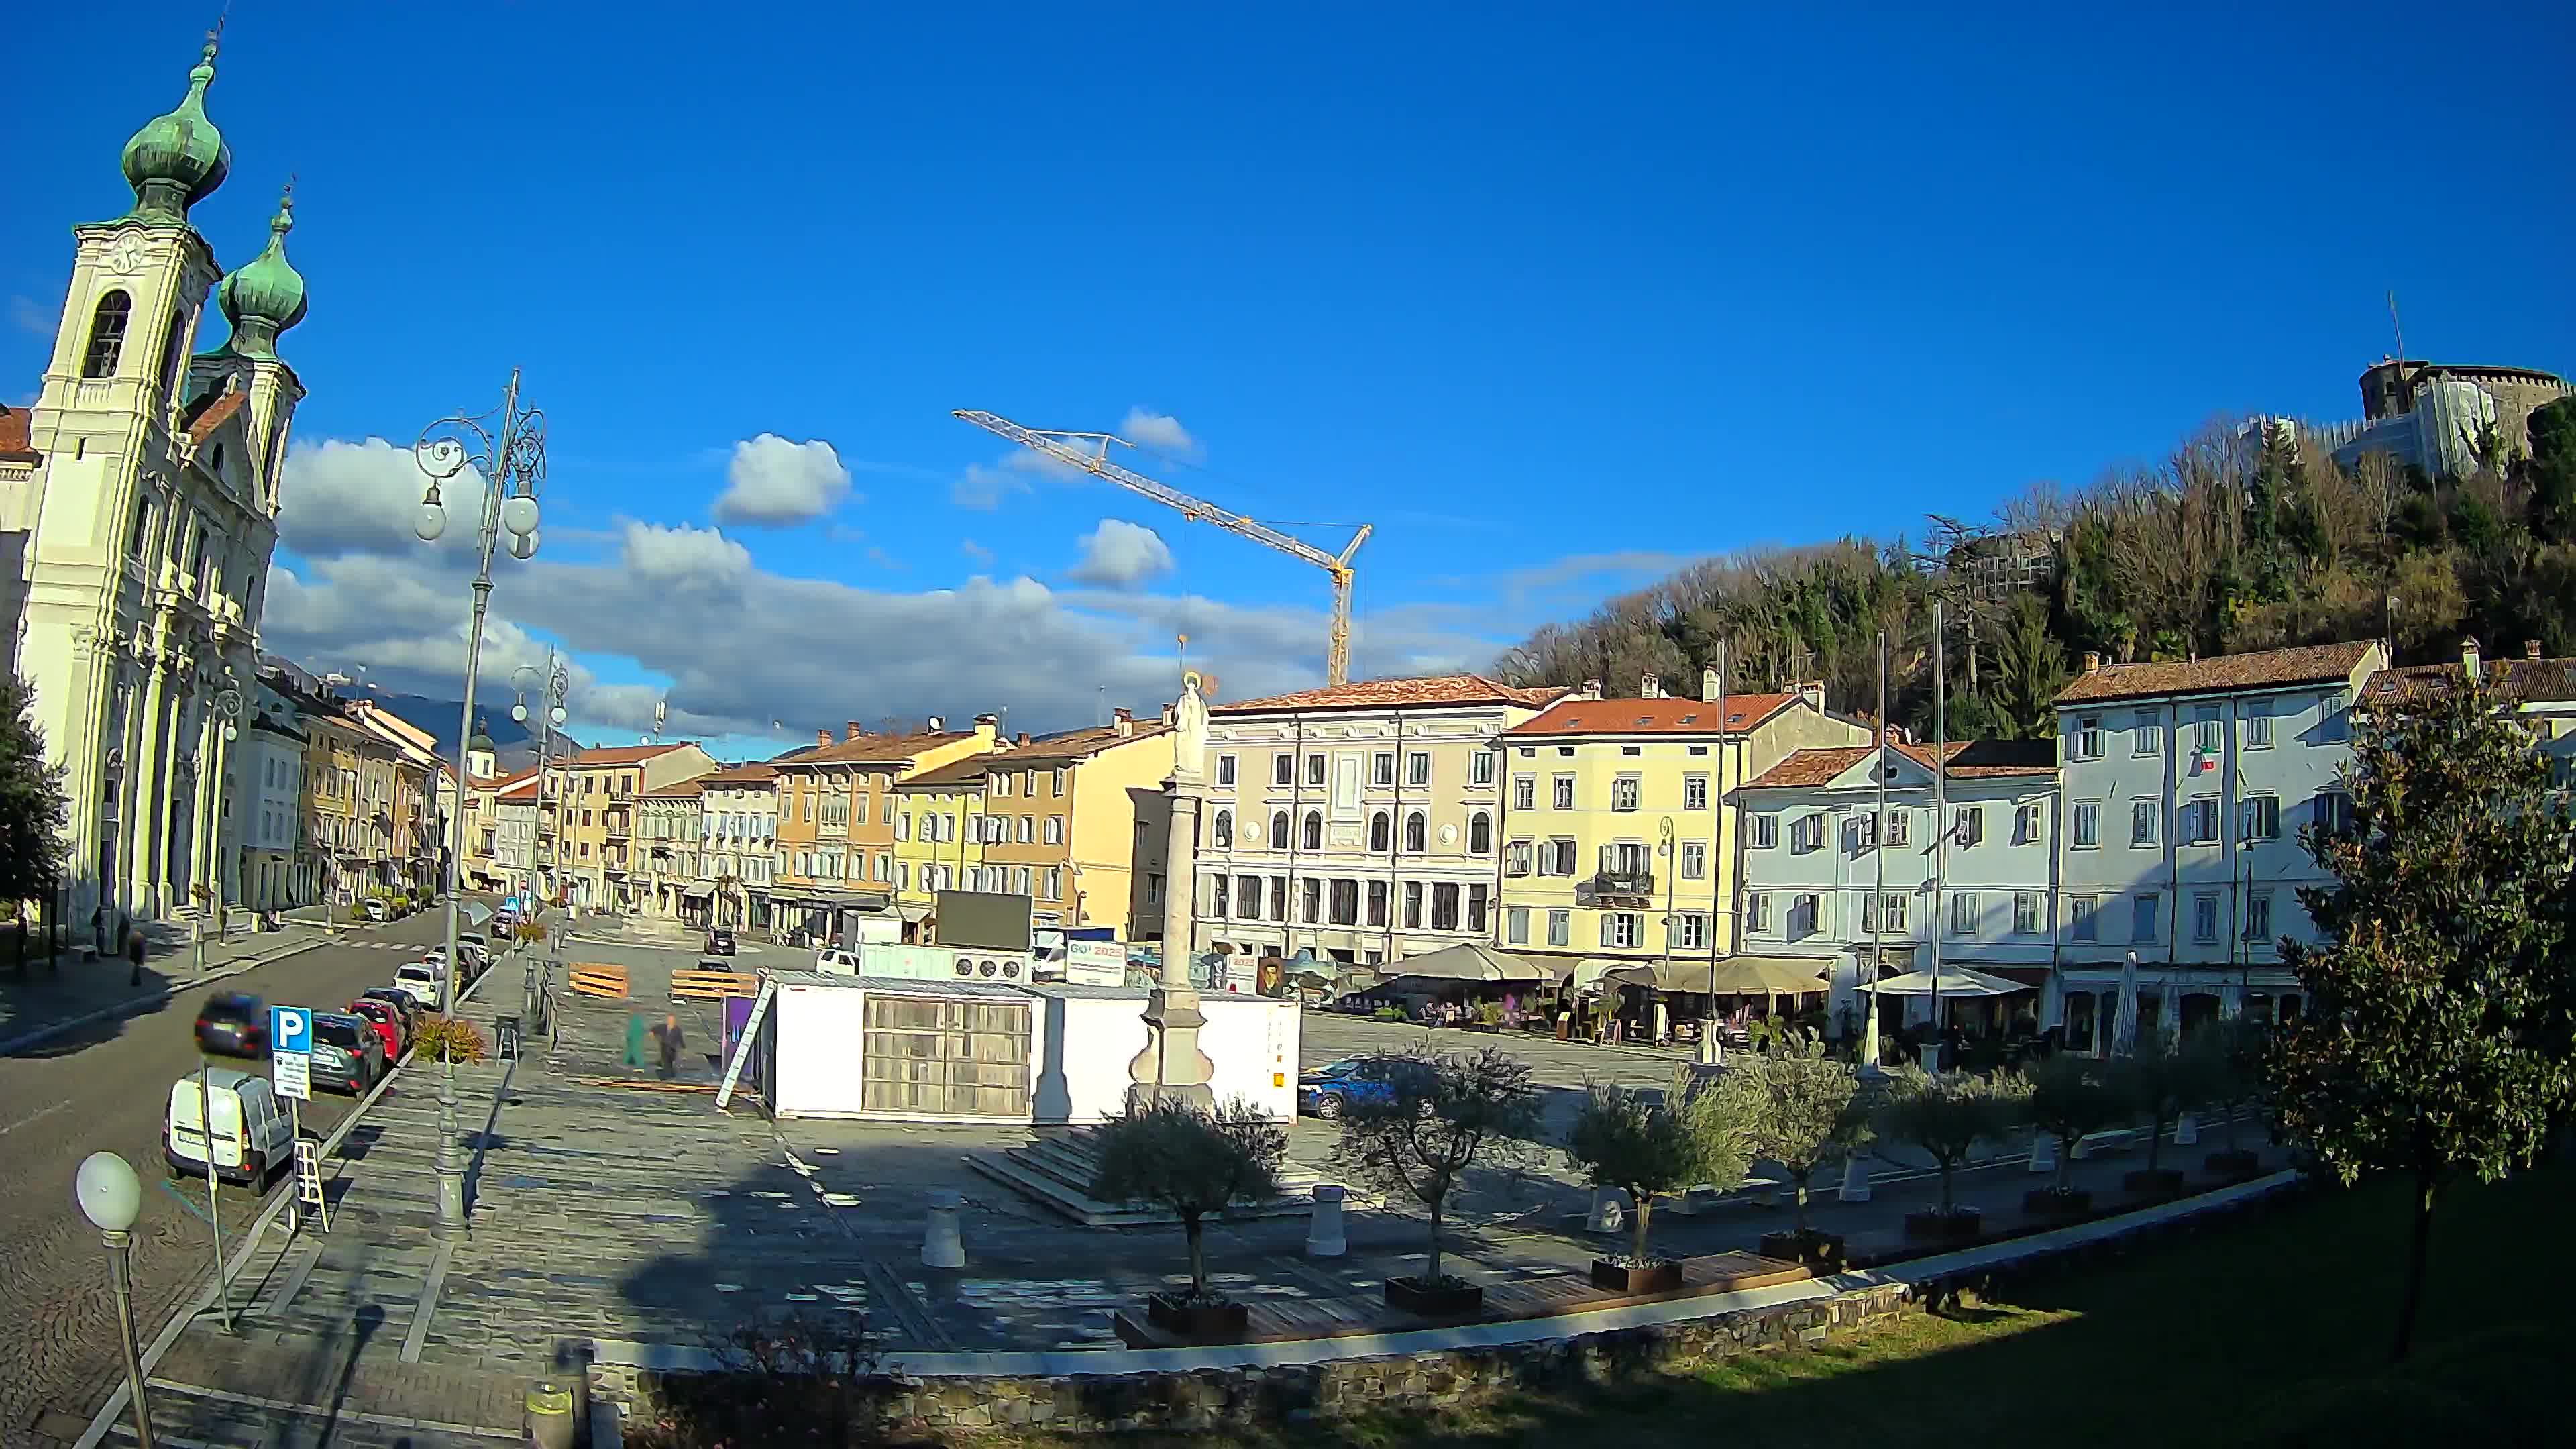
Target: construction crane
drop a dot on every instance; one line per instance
(1090, 453)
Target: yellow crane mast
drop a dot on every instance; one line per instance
(1090, 453)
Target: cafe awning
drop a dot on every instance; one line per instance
(1952, 982)
(1597, 973)
(696, 891)
(1757, 976)
(1466, 961)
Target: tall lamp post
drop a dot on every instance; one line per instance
(551, 683)
(110, 1196)
(506, 452)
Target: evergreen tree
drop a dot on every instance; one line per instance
(2549, 472)
(32, 808)
(2430, 1047)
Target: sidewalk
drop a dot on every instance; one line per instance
(51, 999)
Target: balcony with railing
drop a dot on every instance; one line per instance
(1621, 886)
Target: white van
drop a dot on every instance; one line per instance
(253, 1138)
(425, 982)
(833, 961)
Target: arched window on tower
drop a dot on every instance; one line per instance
(107, 335)
(173, 356)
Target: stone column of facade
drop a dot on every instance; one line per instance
(148, 766)
(95, 665)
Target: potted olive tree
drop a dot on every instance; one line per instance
(1802, 1109)
(1193, 1161)
(2159, 1082)
(2231, 1055)
(1441, 1115)
(1947, 1117)
(1648, 1143)
(2071, 1098)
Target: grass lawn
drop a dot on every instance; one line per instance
(2271, 1332)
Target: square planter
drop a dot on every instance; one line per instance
(1664, 1276)
(2153, 1182)
(1959, 1225)
(2048, 1202)
(1198, 1322)
(1820, 1251)
(1448, 1298)
(2231, 1166)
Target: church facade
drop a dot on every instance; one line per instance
(139, 495)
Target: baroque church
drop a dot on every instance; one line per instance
(138, 513)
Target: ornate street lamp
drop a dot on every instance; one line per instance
(110, 1196)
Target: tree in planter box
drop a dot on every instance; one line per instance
(1192, 1161)
(2160, 1082)
(1798, 1107)
(2071, 1098)
(1442, 1115)
(1948, 1116)
(1647, 1143)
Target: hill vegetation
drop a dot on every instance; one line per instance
(2240, 540)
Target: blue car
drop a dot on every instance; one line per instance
(1327, 1089)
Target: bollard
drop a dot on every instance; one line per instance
(2043, 1152)
(549, 1407)
(2186, 1129)
(941, 1247)
(1324, 1234)
(1607, 1215)
(1855, 1179)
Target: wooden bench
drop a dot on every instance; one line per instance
(705, 985)
(592, 978)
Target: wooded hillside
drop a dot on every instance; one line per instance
(2240, 540)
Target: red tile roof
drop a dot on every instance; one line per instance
(684, 790)
(210, 414)
(756, 773)
(871, 750)
(2523, 679)
(2308, 664)
(1967, 760)
(1652, 716)
(1431, 691)
(14, 443)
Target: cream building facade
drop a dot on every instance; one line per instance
(1360, 821)
(144, 496)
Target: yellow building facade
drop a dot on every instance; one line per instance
(1619, 836)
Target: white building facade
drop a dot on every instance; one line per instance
(262, 869)
(1359, 821)
(150, 518)
(1828, 886)
(2186, 787)
(514, 831)
(737, 848)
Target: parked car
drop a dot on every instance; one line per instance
(374, 909)
(477, 956)
(401, 1001)
(503, 926)
(347, 1052)
(234, 1023)
(389, 1021)
(426, 982)
(252, 1136)
(1327, 1089)
(720, 942)
(833, 961)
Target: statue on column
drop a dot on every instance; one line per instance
(1190, 730)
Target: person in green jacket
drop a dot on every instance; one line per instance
(634, 1038)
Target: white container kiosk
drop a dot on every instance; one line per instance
(1087, 1036)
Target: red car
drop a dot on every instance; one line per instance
(387, 1021)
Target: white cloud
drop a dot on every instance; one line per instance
(684, 555)
(1122, 555)
(1160, 431)
(976, 551)
(775, 482)
(983, 488)
(339, 497)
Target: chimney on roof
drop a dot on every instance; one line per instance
(2469, 658)
(1813, 692)
(853, 727)
(1023, 737)
(2092, 661)
(1650, 687)
(1171, 716)
(2531, 650)
(1708, 685)
(1591, 690)
(1123, 720)
(822, 737)
(986, 727)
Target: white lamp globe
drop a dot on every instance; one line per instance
(523, 545)
(519, 514)
(519, 714)
(557, 714)
(110, 1195)
(429, 522)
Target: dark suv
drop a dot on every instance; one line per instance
(1325, 1090)
(234, 1023)
(719, 942)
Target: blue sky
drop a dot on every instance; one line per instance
(1551, 294)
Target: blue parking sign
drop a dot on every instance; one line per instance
(290, 1029)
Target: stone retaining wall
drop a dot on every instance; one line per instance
(1215, 1399)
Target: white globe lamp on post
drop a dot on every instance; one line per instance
(111, 1196)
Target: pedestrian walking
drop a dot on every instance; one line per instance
(634, 1038)
(134, 953)
(670, 1047)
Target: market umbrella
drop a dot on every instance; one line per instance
(1466, 961)
(1752, 976)
(1953, 981)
